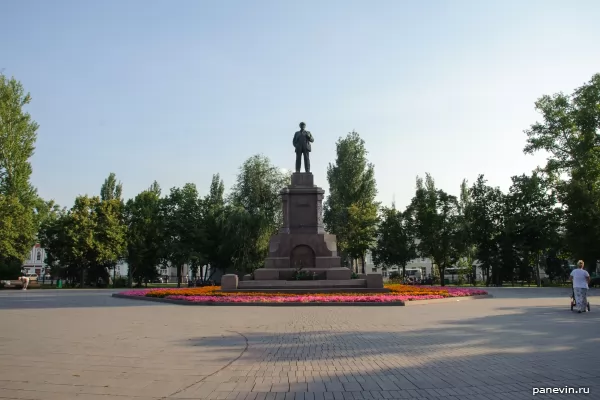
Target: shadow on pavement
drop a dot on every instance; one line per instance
(512, 352)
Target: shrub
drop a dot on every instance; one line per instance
(395, 275)
(120, 282)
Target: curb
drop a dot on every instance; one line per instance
(357, 304)
(190, 303)
(448, 300)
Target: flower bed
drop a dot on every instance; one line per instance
(398, 293)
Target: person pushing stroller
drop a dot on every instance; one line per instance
(580, 278)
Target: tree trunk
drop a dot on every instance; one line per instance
(442, 274)
(179, 276)
(362, 260)
(130, 275)
(82, 276)
(403, 273)
(537, 269)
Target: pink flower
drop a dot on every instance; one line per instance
(380, 298)
(217, 297)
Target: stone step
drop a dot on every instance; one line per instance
(311, 291)
(319, 284)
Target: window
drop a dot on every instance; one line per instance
(39, 255)
(373, 269)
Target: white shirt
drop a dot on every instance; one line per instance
(580, 276)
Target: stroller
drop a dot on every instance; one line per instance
(574, 303)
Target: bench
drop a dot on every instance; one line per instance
(17, 284)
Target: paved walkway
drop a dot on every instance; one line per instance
(85, 345)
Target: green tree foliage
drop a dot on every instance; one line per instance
(396, 243)
(80, 227)
(435, 219)
(486, 212)
(352, 186)
(257, 189)
(145, 235)
(464, 239)
(254, 212)
(86, 241)
(44, 211)
(183, 228)
(247, 239)
(16, 228)
(569, 133)
(17, 195)
(112, 229)
(361, 230)
(215, 214)
(111, 189)
(53, 238)
(533, 218)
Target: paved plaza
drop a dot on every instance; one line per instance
(73, 344)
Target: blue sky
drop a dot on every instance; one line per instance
(175, 91)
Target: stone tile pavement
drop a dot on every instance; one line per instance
(73, 345)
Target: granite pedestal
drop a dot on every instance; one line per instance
(302, 244)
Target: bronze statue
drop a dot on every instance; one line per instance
(301, 142)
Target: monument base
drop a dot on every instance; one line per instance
(302, 246)
(372, 283)
(328, 274)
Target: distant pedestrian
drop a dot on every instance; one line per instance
(580, 279)
(25, 281)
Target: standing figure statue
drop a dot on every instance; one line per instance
(301, 142)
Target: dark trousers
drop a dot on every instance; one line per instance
(306, 161)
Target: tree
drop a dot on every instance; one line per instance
(183, 228)
(435, 220)
(216, 194)
(144, 235)
(569, 133)
(361, 231)
(215, 214)
(54, 240)
(111, 190)
(16, 228)
(17, 195)
(110, 237)
(112, 229)
(257, 188)
(485, 212)
(82, 243)
(255, 212)
(534, 218)
(395, 240)
(464, 240)
(247, 239)
(44, 211)
(80, 227)
(351, 182)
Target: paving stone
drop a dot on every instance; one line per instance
(495, 349)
